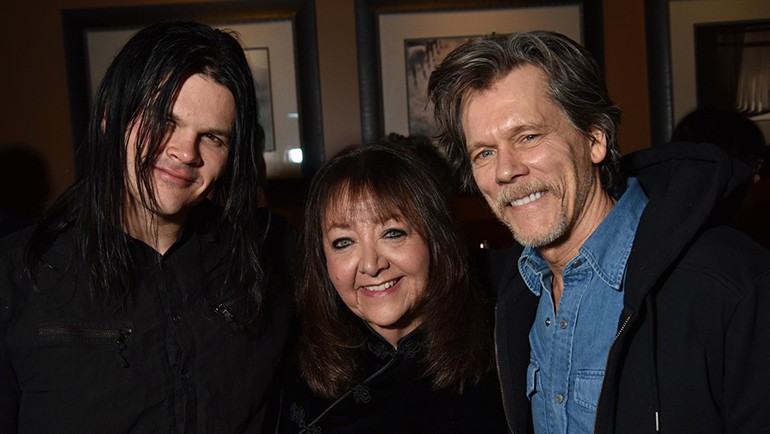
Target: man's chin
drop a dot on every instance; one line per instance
(173, 214)
(536, 239)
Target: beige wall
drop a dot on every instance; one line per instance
(35, 106)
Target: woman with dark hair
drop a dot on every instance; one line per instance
(394, 335)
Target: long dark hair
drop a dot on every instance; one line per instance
(140, 86)
(453, 326)
(575, 84)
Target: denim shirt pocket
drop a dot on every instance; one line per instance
(588, 385)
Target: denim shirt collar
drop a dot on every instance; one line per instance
(606, 250)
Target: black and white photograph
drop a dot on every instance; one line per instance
(398, 49)
(716, 54)
(733, 67)
(421, 57)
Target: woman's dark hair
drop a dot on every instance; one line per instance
(575, 84)
(453, 324)
(140, 87)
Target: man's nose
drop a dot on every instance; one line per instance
(509, 165)
(182, 146)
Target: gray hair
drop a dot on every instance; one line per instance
(575, 84)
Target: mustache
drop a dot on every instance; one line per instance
(509, 193)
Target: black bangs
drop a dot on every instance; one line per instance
(354, 205)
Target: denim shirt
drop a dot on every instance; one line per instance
(570, 347)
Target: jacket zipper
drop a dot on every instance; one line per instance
(223, 310)
(75, 331)
(120, 336)
(500, 380)
(601, 391)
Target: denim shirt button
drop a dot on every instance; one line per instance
(563, 324)
(559, 398)
(547, 322)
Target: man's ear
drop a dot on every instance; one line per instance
(598, 145)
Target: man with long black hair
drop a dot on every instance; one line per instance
(154, 295)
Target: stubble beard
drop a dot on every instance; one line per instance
(561, 227)
(534, 240)
(558, 229)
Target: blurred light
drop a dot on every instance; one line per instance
(292, 115)
(295, 155)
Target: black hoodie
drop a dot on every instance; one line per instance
(694, 335)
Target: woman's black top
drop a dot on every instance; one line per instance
(393, 398)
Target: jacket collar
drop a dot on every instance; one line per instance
(689, 186)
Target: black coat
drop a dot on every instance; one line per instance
(174, 358)
(393, 399)
(693, 339)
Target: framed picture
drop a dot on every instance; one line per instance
(279, 39)
(707, 53)
(400, 43)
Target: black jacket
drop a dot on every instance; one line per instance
(394, 398)
(175, 358)
(693, 339)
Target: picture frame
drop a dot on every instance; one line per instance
(672, 28)
(287, 66)
(381, 25)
